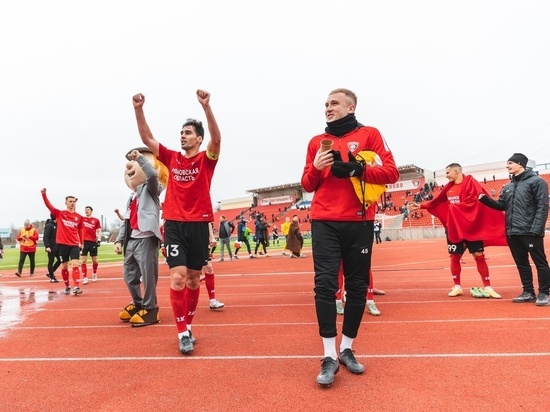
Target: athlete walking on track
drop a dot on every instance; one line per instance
(187, 209)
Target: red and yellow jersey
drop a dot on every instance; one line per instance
(90, 225)
(335, 199)
(187, 196)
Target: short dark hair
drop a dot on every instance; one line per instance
(454, 166)
(89, 207)
(197, 125)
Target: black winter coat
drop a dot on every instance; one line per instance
(525, 203)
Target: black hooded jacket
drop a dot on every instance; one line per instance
(50, 229)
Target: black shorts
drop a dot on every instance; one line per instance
(460, 248)
(89, 247)
(186, 244)
(68, 253)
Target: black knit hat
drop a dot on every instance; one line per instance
(519, 158)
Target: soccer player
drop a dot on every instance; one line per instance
(91, 233)
(68, 238)
(187, 209)
(468, 225)
(342, 223)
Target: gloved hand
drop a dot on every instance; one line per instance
(98, 243)
(351, 168)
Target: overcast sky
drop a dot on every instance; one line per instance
(444, 81)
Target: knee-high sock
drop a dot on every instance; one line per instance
(483, 269)
(340, 283)
(65, 276)
(94, 267)
(177, 300)
(370, 293)
(209, 283)
(192, 298)
(84, 269)
(456, 268)
(76, 276)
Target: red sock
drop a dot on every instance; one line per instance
(209, 282)
(370, 293)
(177, 299)
(340, 283)
(456, 268)
(483, 269)
(192, 298)
(65, 276)
(94, 267)
(84, 269)
(76, 276)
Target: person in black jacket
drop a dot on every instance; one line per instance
(50, 229)
(525, 203)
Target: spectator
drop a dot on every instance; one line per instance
(525, 204)
(54, 261)
(377, 231)
(285, 227)
(243, 232)
(295, 241)
(27, 238)
(224, 232)
(261, 235)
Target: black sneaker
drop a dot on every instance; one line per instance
(525, 297)
(542, 300)
(18, 274)
(347, 358)
(53, 280)
(329, 368)
(186, 344)
(67, 290)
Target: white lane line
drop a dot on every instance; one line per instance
(285, 357)
(378, 321)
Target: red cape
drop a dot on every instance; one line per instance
(470, 219)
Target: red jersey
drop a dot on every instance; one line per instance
(335, 198)
(464, 217)
(89, 228)
(69, 225)
(187, 196)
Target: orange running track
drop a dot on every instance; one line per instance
(262, 352)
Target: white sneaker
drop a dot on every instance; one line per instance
(373, 310)
(339, 308)
(215, 304)
(455, 291)
(85, 281)
(94, 277)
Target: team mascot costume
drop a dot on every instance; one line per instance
(139, 237)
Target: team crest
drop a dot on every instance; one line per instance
(352, 146)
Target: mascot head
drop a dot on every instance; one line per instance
(134, 174)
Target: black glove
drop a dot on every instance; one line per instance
(343, 170)
(337, 157)
(98, 243)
